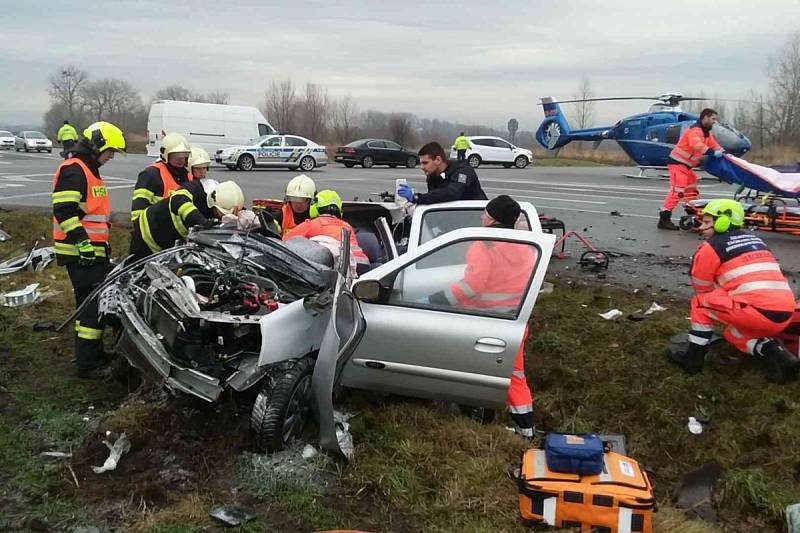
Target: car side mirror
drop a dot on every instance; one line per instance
(367, 290)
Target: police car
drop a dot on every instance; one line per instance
(287, 151)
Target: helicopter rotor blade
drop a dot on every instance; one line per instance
(603, 99)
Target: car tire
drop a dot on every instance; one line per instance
(367, 161)
(282, 406)
(16, 148)
(521, 161)
(307, 164)
(474, 160)
(230, 167)
(507, 165)
(246, 162)
(411, 162)
(50, 151)
(349, 165)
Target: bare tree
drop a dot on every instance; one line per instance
(400, 129)
(584, 111)
(175, 92)
(65, 88)
(110, 99)
(316, 111)
(345, 116)
(280, 105)
(216, 97)
(783, 108)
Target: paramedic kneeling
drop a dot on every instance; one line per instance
(738, 283)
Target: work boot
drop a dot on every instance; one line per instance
(99, 373)
(691, 361)
(665, 220)
(780, 366)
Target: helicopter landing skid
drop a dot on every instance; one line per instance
(662, 173)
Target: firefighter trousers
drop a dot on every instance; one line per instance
(89, 353)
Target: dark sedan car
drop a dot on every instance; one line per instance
(369, 152)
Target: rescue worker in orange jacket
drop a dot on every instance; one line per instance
(327, 222)
(300, 192)
(81, 225)
(695, 142)
(496, 278)
(166, 175)
(738, 284)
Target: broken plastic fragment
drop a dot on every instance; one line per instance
(343, 435)
(309, 451)
(793, 518)
(120, 448)
(230, 515)
(611, 315)
(655, 308)
(25, 296)
(695, 427)
(56, 455)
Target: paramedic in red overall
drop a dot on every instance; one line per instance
(695, 142)
(496, 277)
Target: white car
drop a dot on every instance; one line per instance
(288, 151)
(6, 140)
(494, 150)
(32, 140)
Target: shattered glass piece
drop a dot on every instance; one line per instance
(793, 518)
(230, 515)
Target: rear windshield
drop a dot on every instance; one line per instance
(356, 143)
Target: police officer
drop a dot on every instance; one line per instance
(81, 222)
(448, 181)
(738, 283)
(164, 176)
(461, 145)
(169, 219)
(67, 136)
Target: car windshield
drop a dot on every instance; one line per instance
(34, 135)
(5, 134)
(355, 143)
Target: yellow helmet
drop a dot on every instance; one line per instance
(198, 158)
(327, 202)
(301, 187)
(105, 136)
(173, 143)
(227, 197)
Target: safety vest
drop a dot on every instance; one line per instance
(462, 143)
(329, 226)
(287, 220)
(95, 221)
(168, 182)
(692, 146)
(741, 264)
(496, 276)
(67, 133)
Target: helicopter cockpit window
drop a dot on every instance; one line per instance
(673, 134)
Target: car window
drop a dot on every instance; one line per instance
(501, 144)
(376, 144)
(295, 141)
(482, 142)
(263, 129)
(472, 276)
(392, 146)
(355, 144)
(5, 134)
(272, 141)
(438, 222)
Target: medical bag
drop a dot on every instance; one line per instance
(617, 500)
(574, 454)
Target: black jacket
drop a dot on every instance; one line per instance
(459, 183)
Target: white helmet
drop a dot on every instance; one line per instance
(301, 187)
(209, 186)
(173, 143)
(227, 197)
(199, 158)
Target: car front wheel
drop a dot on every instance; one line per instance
(308, 163)
(349, 165)
(411, 162)
(246, 162)
(474, 160)
(367, 161)
(521, 161)
(283, 406)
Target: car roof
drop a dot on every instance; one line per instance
(485, 137)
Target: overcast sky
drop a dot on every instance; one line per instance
(478, 62)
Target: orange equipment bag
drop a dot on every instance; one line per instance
(618, 500)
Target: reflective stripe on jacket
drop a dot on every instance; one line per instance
(692, 145)
(96, 208)
(328, 226)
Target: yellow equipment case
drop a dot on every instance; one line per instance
(618, 500)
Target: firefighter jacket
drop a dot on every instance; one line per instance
(459, 182)
(692, 145)
(81, 207)
(741, 264)
(155, 183)
(67, 133)
(329, 226)
(169, 219)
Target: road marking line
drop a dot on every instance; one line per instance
(590, 211)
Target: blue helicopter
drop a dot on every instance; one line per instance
(647, 138)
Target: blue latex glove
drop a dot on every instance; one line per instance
(718, 153)
(406, 192)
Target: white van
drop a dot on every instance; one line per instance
(210, 126)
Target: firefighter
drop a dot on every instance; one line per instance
(81, 222)
(296, 208)
(198, 164)
(738, 284)
(326, 227)
(496, 278)
(164, 176)
(447, 181)
(695, 142)
(67, 136)
(461, 145)
(169, 219)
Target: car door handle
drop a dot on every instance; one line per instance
(490, 345)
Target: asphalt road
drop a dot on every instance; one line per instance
(583, 197)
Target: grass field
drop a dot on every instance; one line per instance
(418, 466)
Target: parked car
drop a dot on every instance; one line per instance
(6, 140)
(494, 150)
(288, 151)
(32, 140)
(277, 326)
(369, 152)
